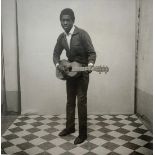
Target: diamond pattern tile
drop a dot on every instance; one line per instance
(67, 146)
(110, 146)
(123, 150)
(25, 146)
(89, 146)
(107, 135)
(78, 150)
(46, 145)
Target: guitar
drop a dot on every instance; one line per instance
(72, 69)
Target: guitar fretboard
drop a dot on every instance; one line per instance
(80, 69)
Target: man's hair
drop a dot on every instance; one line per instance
(69, 12)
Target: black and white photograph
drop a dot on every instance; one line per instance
(77, 77)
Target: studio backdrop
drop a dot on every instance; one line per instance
(111, 26)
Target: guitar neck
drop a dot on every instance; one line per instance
(80, 69)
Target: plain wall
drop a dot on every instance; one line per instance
(111, 25)
(145, 61)
(9, 49)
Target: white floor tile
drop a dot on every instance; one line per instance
(139, 142)
(101, 151)
(123, 150)
(37, 141)
(98, 141)
(11, 150)
(56, 151)
(34, 151)
(58, 141)
(78, 151)
(18, 141)
(145, 151)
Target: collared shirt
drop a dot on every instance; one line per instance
(69, 35)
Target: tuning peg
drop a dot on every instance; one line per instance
(107, 69)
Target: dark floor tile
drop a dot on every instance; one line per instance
(11, 136)
(68, 138)
(135, 124)
(110, 146)
(136, 153)
(52, 124)
(49, 137)
(131, 119)
(46, 145)
(33, 130)
(116, 119)
(149, 146)
(146, 138)
(16, 129)
(88, 123)
(54, 118)
(24, 118)
(131, 146)
(127, 138)
(139, 130)
(35, 124)
(6, 144)
(123, 131)
(89, 153)
(21, 153)
(100, 119)
(44, 153)
(104, 130)
(90, 137)
(113, 153)
(107, 137)
(2, 151)
(51, 130)
(119, 124)
(25, 146)
(20, 123)
(89, 130)
(67, 153)
(103, 124)
(39, 118)
(30, 137)
(67, 146)
(88, 146)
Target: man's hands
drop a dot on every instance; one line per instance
(63, 68)
(68, 67)
(90, 65)
(60, 67)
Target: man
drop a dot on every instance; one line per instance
(79, 48)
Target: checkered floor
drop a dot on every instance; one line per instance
(107, 135)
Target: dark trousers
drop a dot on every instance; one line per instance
(77, 87)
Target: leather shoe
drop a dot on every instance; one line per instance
(66, 132)
(79, 140)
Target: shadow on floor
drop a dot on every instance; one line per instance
(6, 121)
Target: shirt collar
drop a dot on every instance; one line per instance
(71, 31)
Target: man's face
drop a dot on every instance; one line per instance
(66, 23)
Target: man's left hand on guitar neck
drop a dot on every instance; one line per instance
(90, 65)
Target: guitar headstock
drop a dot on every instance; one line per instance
(101, 69)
